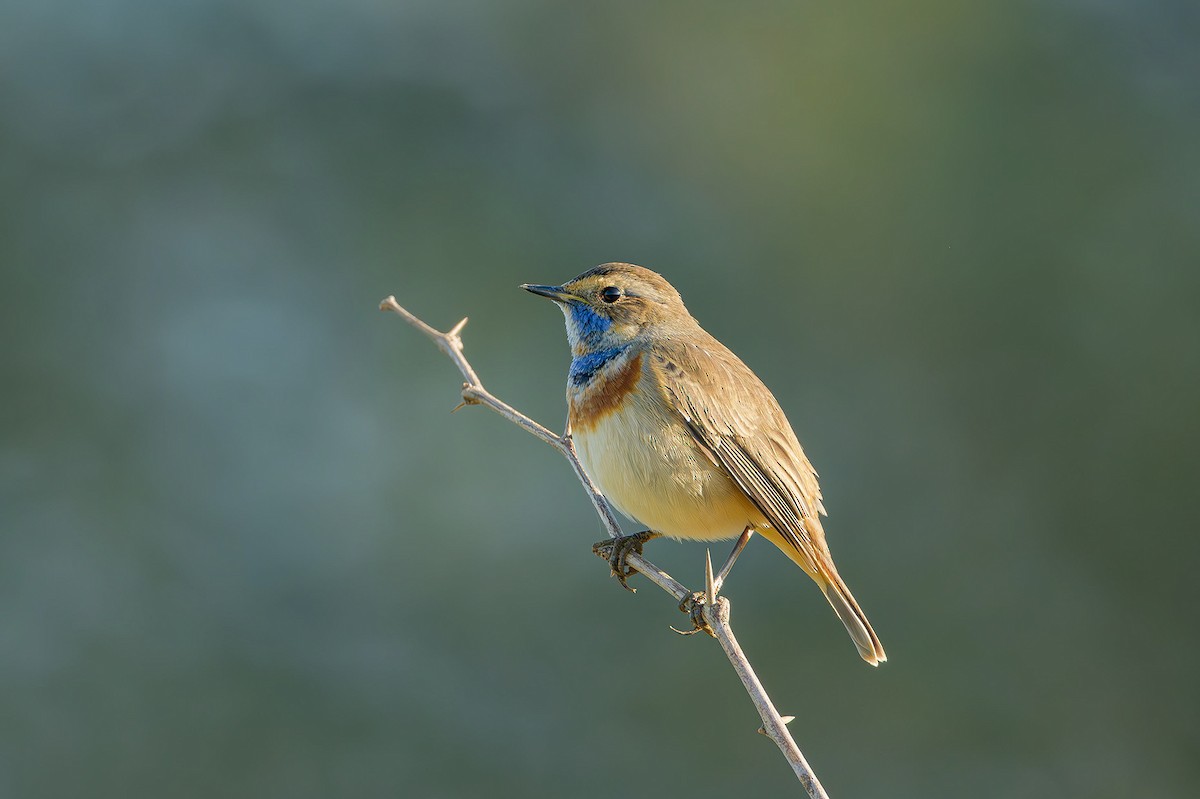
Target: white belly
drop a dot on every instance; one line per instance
(653, 471)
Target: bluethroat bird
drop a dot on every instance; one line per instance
(680, 435)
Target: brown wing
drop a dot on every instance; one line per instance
(737, 420)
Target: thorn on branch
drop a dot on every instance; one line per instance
(710, 588)
(469, 397)
(785, 719)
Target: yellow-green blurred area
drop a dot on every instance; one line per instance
(245, 551)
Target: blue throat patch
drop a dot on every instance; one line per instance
(584, 367)
(590, 326)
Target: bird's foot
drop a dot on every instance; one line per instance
(615, 550)
(693, 606)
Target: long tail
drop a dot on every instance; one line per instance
(839, 596)
(851, 614)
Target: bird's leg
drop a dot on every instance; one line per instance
(694, 605)
(615, 550)
(743, 539)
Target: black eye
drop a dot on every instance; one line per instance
(611, 294)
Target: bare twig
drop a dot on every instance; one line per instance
(709, 611)
(774, 725)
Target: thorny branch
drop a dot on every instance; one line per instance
(709, 611)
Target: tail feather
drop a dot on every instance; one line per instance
(825, 575)
(851, 614)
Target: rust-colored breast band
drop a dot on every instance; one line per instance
(605, 395)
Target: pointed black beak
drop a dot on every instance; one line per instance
(555, 293)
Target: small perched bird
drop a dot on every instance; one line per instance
(680, 435)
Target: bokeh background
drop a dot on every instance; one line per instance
(246, 552)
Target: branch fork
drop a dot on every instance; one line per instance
(709, 612)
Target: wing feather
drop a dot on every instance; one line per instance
(743, 428)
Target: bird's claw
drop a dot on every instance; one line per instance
(616, 550)
(693, 606)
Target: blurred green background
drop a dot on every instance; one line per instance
(246, 552)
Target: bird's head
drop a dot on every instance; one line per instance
(614, 304)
